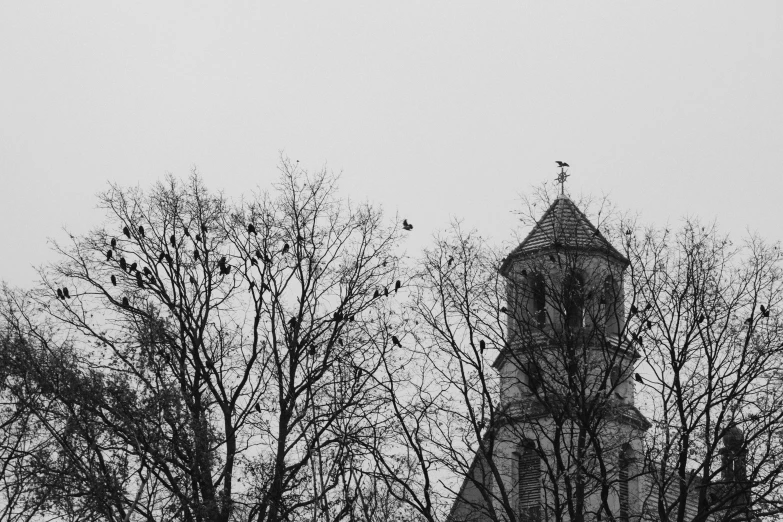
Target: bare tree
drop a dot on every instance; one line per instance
(197, 360)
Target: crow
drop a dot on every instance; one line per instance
(292, 322)
(147, 271)
(482, 346)
(649, 324)
(764, 311)
(65, 293)
(123, 264)
(60, 294)
(161, 257)
(638, 378)
(196, 255)
(141, 231)
(634, 310)
(125, 302)
(406, 225)
(133, 266)
(222, 262)
(204, 229)
(113, 280)
(647, 307)
(193, 280)
(139, 280)
(397, 285)
(395, 341)
(385, 292)
(562, 164)
(259, 255)
(114, 242)
(198, 237)
(376, 294)
(225, 270)
(338, 316)
(700, 319)
(450, 261)
(258, 408)
(299, 238)
(173, 240)
(108, 255)
(251, 229)
(286, 247)
(187, 232)
(168, 259)
(126, 231)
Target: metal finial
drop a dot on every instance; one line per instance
(561, 178)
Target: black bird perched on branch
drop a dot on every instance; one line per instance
(133, 266)
(259, 255)
(114, 242)
(60, 294)
(204, 229)
(450, 261)
(482, 346)
(285, 249)
(634, 310)
(125, 302)
(764, 311)
(168, 259)
(258, 408)
(292, 322)
(503, 310)
(385, 292)
(113, 280)
(193, 280)
(252, 285)
(395, 341)
(251, 229)
(123, 264)
(196, 255)
(139, 280)
(108, 255)
(562, 164)
(173, 240)
(253, 261)
(406, 225)
(338, 316)
(161, 256)
(376, 295)
(638, 378)
(141, 231)
(397, 286)
(65, 293)
(187, 232)
(147, 271)
(198, 237)
(126, 231)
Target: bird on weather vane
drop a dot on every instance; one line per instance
(561, 178)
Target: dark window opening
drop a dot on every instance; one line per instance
(538, 287)
(574, 302)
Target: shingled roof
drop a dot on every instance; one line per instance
(563, 227)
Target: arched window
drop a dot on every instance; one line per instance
(573, 300)
(624, 466)
(538, 294)
(533, 373)
(529, 480)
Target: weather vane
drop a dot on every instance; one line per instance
(561, 178)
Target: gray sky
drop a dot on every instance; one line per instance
(432, 109)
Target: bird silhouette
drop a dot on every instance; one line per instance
(114, 242)
(503, 310)
(482, 346)
(126, 231)
(397, 285)
(198, 237)
(385, 292)
(649, 324)
(764, 311)
(60, 294)
(638, 378)
(700, 319)
(259, 255)
(65, 293)
(222, 262)
(169, 260)
(204, 229)
(252, 285)
(749, 320)
(173, 240)
(292, 322)
(123, 264)
(376, 294)
(628, 232)
(450, 261)
(647, 307)
(338, 316)
(285, 249)
(299, 238)
(125, 302)
(147, 271)
(196, 255)
(139, 280)
(133, 266)
(225, 270)
(253, 261)
(193, 280)
(258, 408)
(186, 232)
(634, 310)
(395, 341)
(251, 229)
(113, 280)
(161, 257)
(406, 225)
(562, 164)
(141, 231)
(108, 255)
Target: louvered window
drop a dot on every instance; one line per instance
(529, 482)
(624, 465)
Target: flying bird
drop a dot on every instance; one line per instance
(126, 231)
(108, 255)
(66, 293)
(113, 280)
(397, 285)
(114, 242)
(60, 294)
(395, 341)
(406, 225)
(251, 229)
(141, 231)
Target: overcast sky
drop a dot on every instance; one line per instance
(432, 109)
